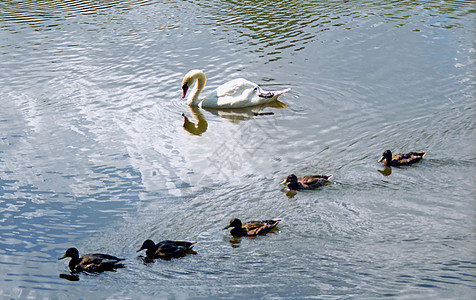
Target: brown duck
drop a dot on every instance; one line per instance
(94, 262)
(401, 159)
(166, 249)
(306, 182)
(251, 228)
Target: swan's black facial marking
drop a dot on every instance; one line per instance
(184, 90)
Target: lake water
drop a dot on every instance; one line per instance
(94, 154)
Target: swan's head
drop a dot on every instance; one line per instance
(190, 78)
(185, 85)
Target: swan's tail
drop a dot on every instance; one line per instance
(277, 93)
(272, 94)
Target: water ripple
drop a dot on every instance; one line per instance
(288, 26)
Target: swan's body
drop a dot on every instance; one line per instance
(237, 93)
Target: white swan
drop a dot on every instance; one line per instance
(237, 93)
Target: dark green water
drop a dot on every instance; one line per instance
(93, 153)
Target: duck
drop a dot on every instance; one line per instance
(251, 228)
(401, 159)
(237, 93)
(95, 262)
(306, 182)
(166, 249)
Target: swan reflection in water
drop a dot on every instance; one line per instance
(234, 115)
(195, 129)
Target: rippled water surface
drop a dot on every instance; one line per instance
(94, 153)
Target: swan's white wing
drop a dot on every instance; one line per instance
(239, 93)
(236, 88)
(233, 94)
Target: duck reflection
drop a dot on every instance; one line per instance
(233, 240)
(70, 277)
(234, 115)
(386, 172)
(148, 260)
(289, 193)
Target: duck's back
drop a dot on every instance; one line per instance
(312, 178)
(97, 262)
(259, 227)
(312, 181)
(401, 159)
(172, 248)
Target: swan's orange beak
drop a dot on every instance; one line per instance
(184, 90)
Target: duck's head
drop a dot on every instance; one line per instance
(235, 223)
(387, 155)
(148, 244)
(71, 252)
(190, 78)
(290, 179)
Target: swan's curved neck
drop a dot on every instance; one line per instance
(197, 89)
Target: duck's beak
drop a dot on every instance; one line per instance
(284, 182)
(381, 159)
(140, 249)
(184, 90)
(226, 227)
(64, 256)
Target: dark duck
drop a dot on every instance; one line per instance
(94, 262)
(251, 228)
(306, 182)
(166, 249)
(401, 159)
